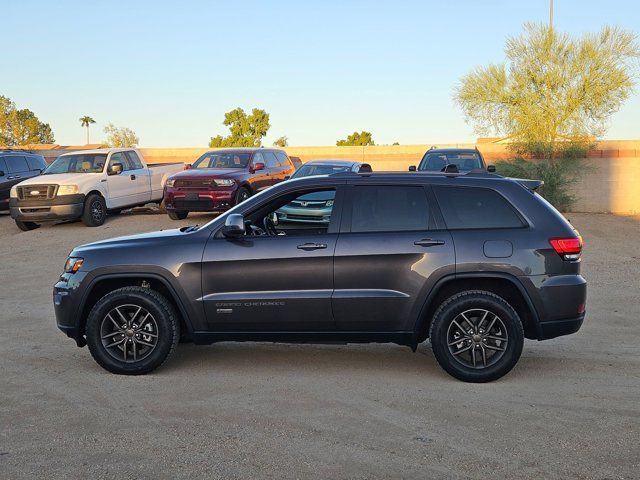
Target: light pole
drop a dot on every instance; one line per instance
(550, 14)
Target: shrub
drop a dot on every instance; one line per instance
(557, 175)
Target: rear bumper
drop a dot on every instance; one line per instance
(63, 208)
(192, 200)
(557, 328)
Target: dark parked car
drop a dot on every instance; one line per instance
(16, 166)
(220, 179)
(464, 160)
(316, 207)
(475, 262)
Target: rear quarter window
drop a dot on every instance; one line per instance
(476, 207)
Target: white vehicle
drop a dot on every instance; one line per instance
(88, 185)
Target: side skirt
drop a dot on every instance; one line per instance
(400, 338)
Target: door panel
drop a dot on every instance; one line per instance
(387, 258)
(121, 187)
(268, 283)
(381, 278)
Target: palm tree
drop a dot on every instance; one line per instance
(85, 122)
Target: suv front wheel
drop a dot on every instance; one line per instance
(476, 336)
(132, 330)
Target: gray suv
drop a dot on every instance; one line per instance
(474, 262)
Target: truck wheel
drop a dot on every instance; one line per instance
(26, 226)
(94, 211)
(132, 330)
(476, 336)
(178, 215)
(242, 194)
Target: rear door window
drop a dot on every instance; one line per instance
(36, 163)
(271, 160)
(16, 163)
(389, 209)
(134, 160)
(283, 160)
(476, 207)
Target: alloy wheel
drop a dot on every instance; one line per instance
(129, 333)
(477, 338)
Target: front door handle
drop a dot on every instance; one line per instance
(133, 177)
(428, 242)
(312, 246)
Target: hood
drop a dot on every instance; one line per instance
(210, 173)
(59, 179)
(161, 236)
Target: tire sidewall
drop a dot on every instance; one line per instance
(87, 217)
(167, 332)
(457, 304)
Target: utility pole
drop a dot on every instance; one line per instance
(550, 14)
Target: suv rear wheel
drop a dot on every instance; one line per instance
(132, 330)
(476, 336)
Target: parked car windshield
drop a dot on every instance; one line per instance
(436, 161)
(309, 170)
(222, 160)
(81, 163)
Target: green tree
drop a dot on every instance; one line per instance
(245, 130)
(85, 122)
(554, 92)
(281, 142)
(120, 136)
(357, 139)
(21, 127)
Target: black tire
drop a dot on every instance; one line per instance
(26, 226)
(94, 211)
(178, 215)
(458, 357)
(165, 328)
(242, 194)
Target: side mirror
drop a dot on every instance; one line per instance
(491, 168)
(188, 166)
(116, 169)
(234, 226)
(412, 168)
(273, 216)
(258, 166)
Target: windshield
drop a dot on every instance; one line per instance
(436, 161)
(81, 163)
(223, 160)
(309, 170)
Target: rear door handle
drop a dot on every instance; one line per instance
(428, 242)
(312, 246)
(133, 177)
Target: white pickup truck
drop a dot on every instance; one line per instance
(89, 184)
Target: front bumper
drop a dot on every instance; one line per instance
(191, 200)
(66, 207)
(66, 293)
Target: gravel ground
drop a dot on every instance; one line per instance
(570, 409)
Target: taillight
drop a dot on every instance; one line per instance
(568, 248)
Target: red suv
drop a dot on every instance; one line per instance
(220, 179)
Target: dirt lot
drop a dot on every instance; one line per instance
(570, 409)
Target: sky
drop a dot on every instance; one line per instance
(170, 70)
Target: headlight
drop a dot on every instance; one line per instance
(223, 182)
(14, 192)
(67, 189)
(329, 203)
(73, 264)
(170, 183)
